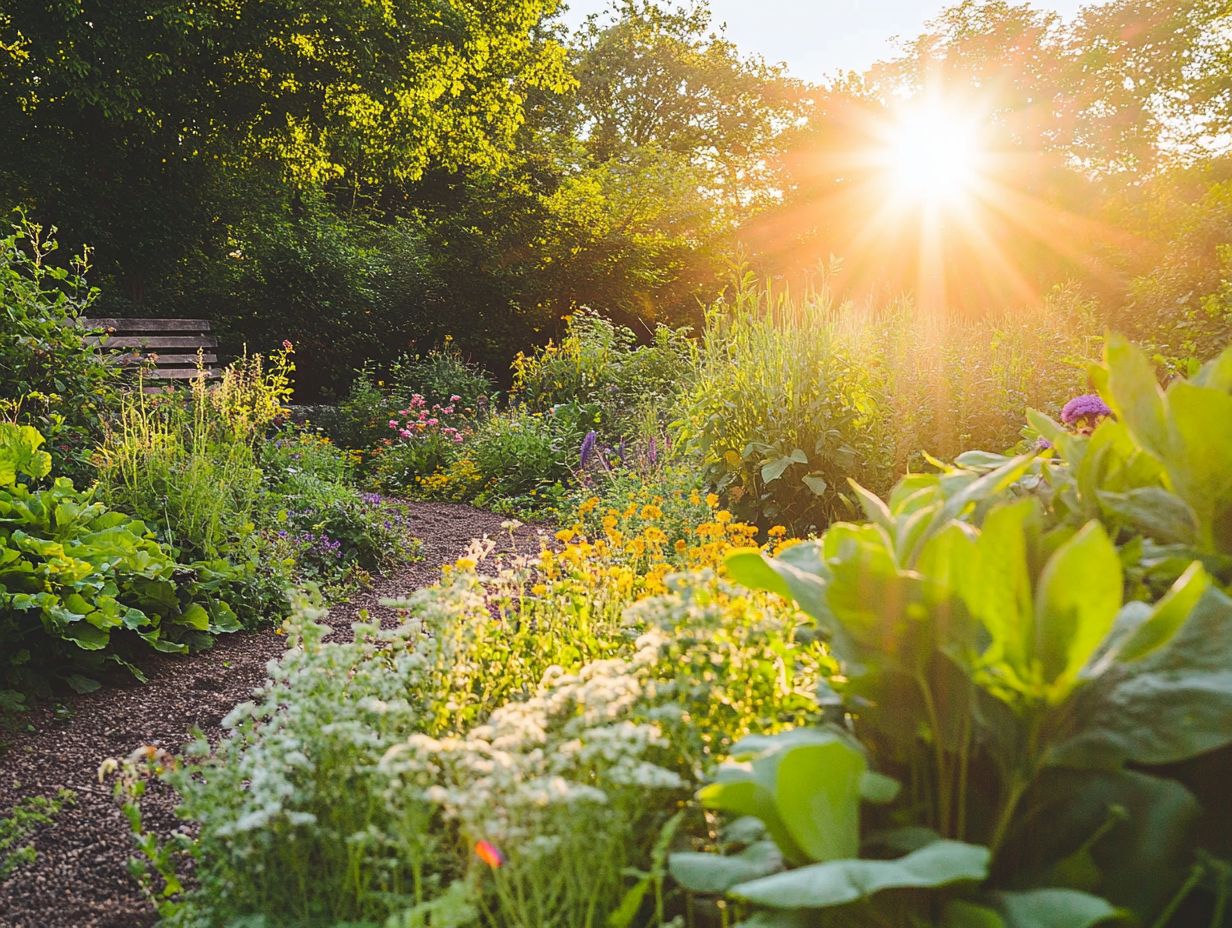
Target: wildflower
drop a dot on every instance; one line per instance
(712, 500)
(393, 423)
(1085, 412)
(489, 854)
(722, 516)
(1043, 444)
(776, 531)
(287, 346)
(588, 447)
(455, 399)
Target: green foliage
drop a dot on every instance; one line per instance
(21, 822)
(439, 376)
(994, 665)
(53, 378)
(83, 585)
(783, 410)
(519, 771)
(519, 453)
(600, 368)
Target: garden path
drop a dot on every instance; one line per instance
(80, 878)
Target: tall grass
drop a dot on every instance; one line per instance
(794, 394)
(185, 461)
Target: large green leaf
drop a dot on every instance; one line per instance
(794, 575)
(1200, 459)
(1125, 835)
(804, 784)
(840, 882)
(1076, 604)
(713, 873)
(1171, 704)
(1055, 908)
(1134, 394)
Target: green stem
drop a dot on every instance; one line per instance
(942, 790)
(1195, 874)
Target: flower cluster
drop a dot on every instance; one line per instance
(418, 419)
(1083, 413)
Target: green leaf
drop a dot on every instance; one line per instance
(1171, 704)
(1076, 606)
(196, 617)
(1155, 512)
(1134, 394)
(1055, 908)
(816, 483)
(712, 873)
(1168, 615)
(839, 882)
(788, 575)
(773, 469)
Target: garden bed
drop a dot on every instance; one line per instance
(80, 877)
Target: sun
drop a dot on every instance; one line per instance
(931, 155)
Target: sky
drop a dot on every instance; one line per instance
(817, 38)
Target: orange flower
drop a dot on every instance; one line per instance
(489, 854)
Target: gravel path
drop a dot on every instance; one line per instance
(80, 878)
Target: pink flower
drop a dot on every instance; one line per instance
(455, 398)
(393, 423)
(448, 410)
(434, 421)
(405, 433)
(287, 346)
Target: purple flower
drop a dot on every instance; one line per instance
(652, 452)
(588, 448)
(1087, 406)
(1043, 444)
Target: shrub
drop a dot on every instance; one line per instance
(783, 410)
(186, 463)
(440, 375)
(53, 379)
(313, 517)
(517, 455)
(600, 367)
(82, 585)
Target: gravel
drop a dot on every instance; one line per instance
(80, 877)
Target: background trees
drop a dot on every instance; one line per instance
(360, 175)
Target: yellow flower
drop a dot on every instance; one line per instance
(539, 589)
(651, 512)
(565, 535)
(722, 516)
(776, 531)
(680, 545)
(712, 500)
(588, 506)
(465, 563)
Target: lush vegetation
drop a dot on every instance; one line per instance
(367, 178)
(666, 725)
(193, 511)
(883, 490)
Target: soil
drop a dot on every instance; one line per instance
(80, 876)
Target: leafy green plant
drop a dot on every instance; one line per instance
(54, 378)
(79, 581)
(783, 410)
(994, 666)
(21, 822)
(440, 375)
(600, 366)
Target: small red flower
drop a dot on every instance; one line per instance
(489, 854)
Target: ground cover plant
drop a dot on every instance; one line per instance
(83, 584)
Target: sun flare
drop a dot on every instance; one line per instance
(932, 156)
